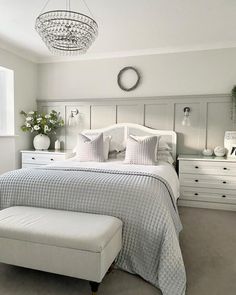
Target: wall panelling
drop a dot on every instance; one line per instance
(210, 117)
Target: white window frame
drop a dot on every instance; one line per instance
(7, 121)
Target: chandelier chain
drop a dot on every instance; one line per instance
(68, 5)
(45, 5)
(88, 8)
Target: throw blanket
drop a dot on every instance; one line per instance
(143, 201)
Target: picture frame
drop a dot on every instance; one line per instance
(232, 152)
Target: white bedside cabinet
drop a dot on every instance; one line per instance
(207, 182)
(35, 158)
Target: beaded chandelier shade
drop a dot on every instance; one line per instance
(66, 32)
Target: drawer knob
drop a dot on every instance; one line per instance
(224, 182)
(196, 180)
(225, 168)
(52, 159)
(223, 196)
(196, 167)
(196, 194)
(33, 158)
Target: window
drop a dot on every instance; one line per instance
(6, 101)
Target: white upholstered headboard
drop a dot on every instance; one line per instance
(119, 133)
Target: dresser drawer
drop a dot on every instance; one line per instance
(208, 167)
(209, 181)
(34, 158)
(208, 195)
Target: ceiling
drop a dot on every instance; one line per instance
(126, 27)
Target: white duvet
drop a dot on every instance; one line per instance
(163, 169)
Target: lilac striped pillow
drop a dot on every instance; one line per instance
(90, 149)
(141, 151)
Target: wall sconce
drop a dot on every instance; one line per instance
(186, 119)
(73, 118)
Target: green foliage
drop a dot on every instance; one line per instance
(41, 123)
(233, 96)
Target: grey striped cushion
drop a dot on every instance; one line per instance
(141, 151)
(90, 149)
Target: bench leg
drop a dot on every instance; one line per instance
(94, 287)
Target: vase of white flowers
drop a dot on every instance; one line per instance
(41, 142)
(43, 125)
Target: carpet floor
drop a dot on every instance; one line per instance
(208, 243)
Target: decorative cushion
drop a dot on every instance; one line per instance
(90, 149)
(141, 150)
(106, 143)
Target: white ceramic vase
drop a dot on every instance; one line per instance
(41, 142)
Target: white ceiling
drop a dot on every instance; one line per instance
(127, 27)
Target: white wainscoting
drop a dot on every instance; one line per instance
(210, 116)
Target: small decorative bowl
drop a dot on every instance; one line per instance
(219, 151)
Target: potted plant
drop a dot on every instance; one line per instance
(42, 124)
(233, 96)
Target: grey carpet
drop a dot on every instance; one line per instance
(208, 244)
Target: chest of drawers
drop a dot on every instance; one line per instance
(39, 158)
(207, 182)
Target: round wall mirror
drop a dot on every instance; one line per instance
(128, 78)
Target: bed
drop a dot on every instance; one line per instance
(144, 197)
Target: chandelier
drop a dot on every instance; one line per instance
(66, 32)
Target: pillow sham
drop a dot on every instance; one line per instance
(165, 156)
(89, 149)
(106, 144)
(141, 151)
(163, 149)
(163, 146)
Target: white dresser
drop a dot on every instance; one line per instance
(33, 158)
(207, 182)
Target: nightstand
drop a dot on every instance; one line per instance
(207, 182)
(35, 158)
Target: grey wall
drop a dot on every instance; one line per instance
(169, 83)
(199, 72)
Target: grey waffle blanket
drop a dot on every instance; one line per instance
(143, 201)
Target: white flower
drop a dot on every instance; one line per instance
(52, 121)
(31, 113)
(39, 119)
(36, 127)
(28, 125)
(47, 116)
(29, 118)
(46, 129)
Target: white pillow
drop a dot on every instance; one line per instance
(165, 156)
(163, 146)
(90, 149)
(141, 150)
(163, 150)
(106, 144)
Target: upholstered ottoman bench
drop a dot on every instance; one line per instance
(69, 243)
